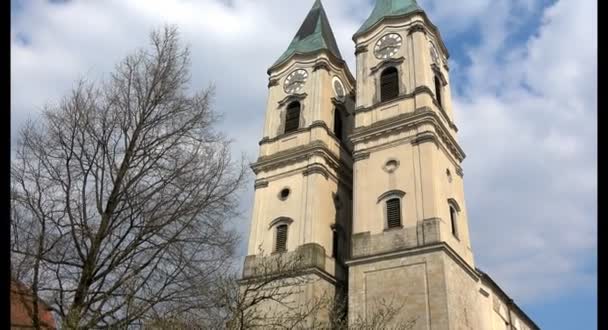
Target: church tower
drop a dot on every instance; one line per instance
(410, 231)
(361, 180)
(303, 187)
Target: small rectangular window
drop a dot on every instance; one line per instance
(393, 213)
(281, 242)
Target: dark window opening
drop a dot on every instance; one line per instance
(389, 84)
(334, 252)
(284, 194)
(338, 124)
(438, 91)
(292, 117)
(393, 213)
(453, 221)
(281, 243)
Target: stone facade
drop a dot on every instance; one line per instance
(405, 148)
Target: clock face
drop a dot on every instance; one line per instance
(388, 46)
(295, 81)
(339, 88)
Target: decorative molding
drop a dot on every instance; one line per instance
(418, 90)
(418, 27)
(291, 98)
(390, 193)
(314, 124)
(280, 221)
(426, 136)
(337, 102)
(317, 148)
(386, 63)
(406, 121)
(273, 82)
(259, 184)
(426, 248)
(360, 49)
(386, 168)
(454, 203)
(321, 66)
(446, 67)
(317, 169)
(460, 172)
(439, 74)
(360, 156)
(319, 123)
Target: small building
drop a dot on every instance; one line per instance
(22, 308)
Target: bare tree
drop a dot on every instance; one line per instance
(121, 195)
(264, 300)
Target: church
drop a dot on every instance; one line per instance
(361, 173)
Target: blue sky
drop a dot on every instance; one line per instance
(524, 79)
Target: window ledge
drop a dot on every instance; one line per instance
(393, 229)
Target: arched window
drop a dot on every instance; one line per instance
(389, 84)
(292, 117)
(281, 239)
(438, 91)
(454, 209)
(393, 213)
(338, 124)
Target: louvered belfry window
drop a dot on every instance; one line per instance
(292, 117)
(389, 84)
(281, 242)
(393, 213)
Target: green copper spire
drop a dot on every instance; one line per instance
(314, 35)
(387, 8)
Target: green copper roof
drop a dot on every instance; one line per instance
(386, 8)
(315, 34)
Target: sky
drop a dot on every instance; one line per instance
(524, 85)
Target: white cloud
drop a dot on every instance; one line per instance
(526, 109)
(529, 115)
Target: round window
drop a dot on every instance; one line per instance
(284, 194)
(391, 165)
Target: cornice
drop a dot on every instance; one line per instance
(419, 90)
(321, 65)
(429, 248)
(293, 155)
(407, 121)
(273, 82)
(360, 156)
(360, 49)
(417, 27)
(314, 124)
(259, 184)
